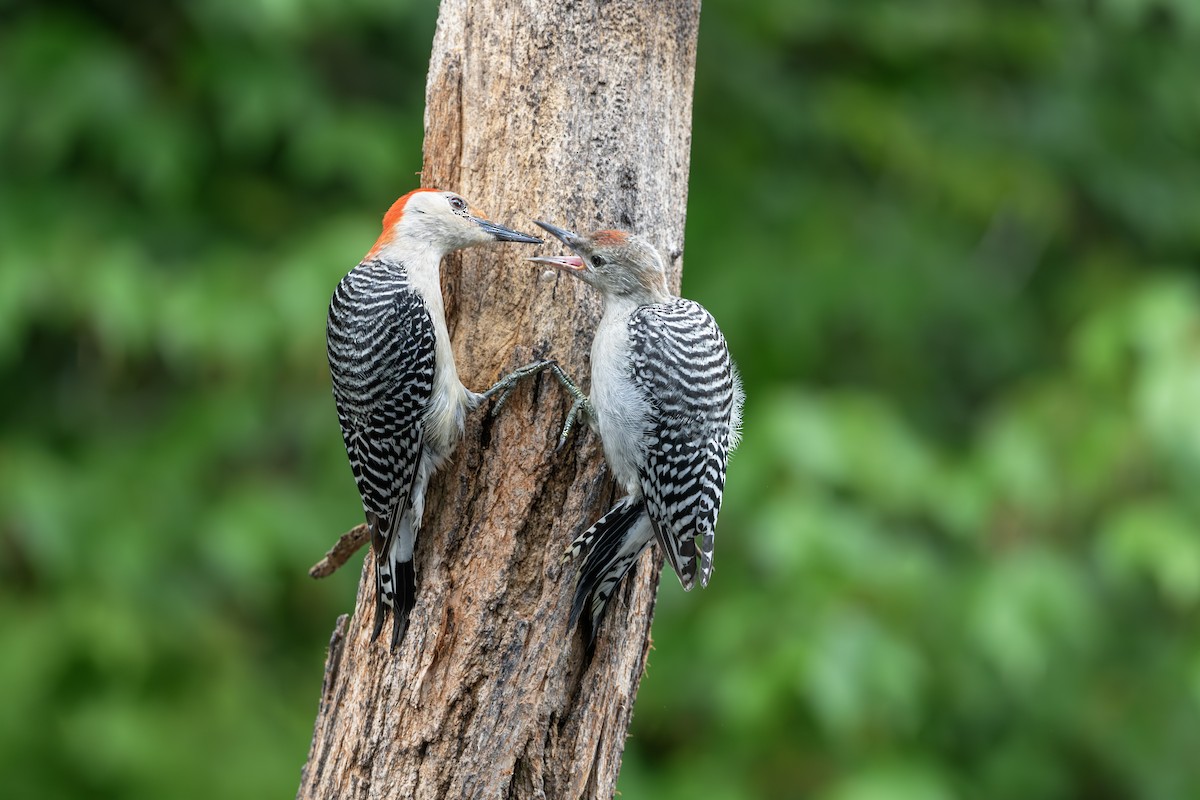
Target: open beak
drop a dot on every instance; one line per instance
(503, 234)
(571, 240)
(569, 263)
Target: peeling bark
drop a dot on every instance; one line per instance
(578, 113)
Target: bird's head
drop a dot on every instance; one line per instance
(617, 263)
(441, 221)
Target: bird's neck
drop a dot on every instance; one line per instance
(619, 306)
(420, 259)
(639, 295)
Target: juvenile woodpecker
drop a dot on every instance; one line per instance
(399, 400)
(667, 403)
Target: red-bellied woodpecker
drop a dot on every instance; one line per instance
(399, 400)
(667, 403)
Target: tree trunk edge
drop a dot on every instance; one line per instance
(529, 114)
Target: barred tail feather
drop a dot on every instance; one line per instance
(395, 578)
(609, 548)
(379, 546)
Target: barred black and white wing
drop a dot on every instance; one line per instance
(381, 349)
(609, 549)
(681, 363)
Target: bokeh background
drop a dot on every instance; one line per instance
(954, 247)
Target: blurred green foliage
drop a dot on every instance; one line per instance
(954, 246)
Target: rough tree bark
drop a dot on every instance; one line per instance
(579, 113)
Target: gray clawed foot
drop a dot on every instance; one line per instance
(508, 384)
(504, 388)
(505, 393)
(581, 406)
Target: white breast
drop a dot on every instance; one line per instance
(451, 400)
(621, 410)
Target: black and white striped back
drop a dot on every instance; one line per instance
(681, 362)
(678, 364)
(382, 358)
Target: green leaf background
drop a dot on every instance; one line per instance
(953, 245)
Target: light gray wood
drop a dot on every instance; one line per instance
(578, 113)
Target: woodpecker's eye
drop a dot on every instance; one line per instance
(597, 261)
(458, 204)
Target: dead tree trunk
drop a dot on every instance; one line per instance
(579, 113)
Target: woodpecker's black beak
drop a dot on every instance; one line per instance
(569, 238)
(503, 234)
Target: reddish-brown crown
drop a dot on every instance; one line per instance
(390, 219)
(609, 238)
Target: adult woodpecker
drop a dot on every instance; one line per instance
(399, 400)
(667, 403)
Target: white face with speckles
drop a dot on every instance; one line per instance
(446, 221)
(615, 262)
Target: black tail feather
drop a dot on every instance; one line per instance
(380, 614)
(605, 565)
(406, 598)
(403, 598)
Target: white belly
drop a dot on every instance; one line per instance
(450, 401)
(621, 410)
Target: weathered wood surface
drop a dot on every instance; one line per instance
(578, 113)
